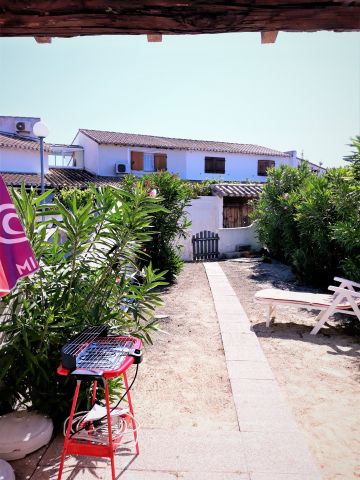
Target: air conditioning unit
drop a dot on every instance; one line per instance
(120, 168)
(22, 127)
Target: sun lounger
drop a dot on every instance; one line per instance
(345, 299)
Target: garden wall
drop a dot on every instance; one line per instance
(206, 213)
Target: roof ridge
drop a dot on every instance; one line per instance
(89, 133)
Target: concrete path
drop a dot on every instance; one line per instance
(267, 446)
(273, 446)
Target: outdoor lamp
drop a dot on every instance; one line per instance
(41, 130)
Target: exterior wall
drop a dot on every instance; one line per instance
(237, 167)
(205, 213)
(109, 155)
(22, 161)
(91, 152)
(101, 159)
(8, 125)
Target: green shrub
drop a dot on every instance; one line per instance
(312, 222)
(66, 196)
(168, 225)
(85, 280)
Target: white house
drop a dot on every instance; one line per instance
(112, 153)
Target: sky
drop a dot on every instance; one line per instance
(301, 93)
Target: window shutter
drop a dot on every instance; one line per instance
(220, 165)
(137, 161)
(160, 161)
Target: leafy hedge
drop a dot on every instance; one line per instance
(87, 278)
(312, 222)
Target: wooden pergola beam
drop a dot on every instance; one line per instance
(67, 18)
(154, 37)
(268, 37)
(43, 39)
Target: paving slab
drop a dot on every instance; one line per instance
(278, 476)
(48, 472)
(192, 450)
(243, 352)
(249, 369)
(142, 475)
(256, 416)
(279, 453)
(213, 476)
(260, 391)
(235, 328)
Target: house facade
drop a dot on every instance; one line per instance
(104, 158)
(115, 153)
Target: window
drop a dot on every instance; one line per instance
(149, 162)
(263, 165)
(236, 211)
(214, 165)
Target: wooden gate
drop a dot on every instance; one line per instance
(205, 246)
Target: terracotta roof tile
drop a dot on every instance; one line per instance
(60, 178)
(247, 190)
(16, 141)
(148, 141)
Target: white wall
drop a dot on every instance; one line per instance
(101, 159)
(109, 155)
(22, 161)
(237, 167)
(91, 152)
(206, 213)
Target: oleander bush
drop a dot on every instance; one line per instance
(89, 258)
(169, 224)
(312, 222)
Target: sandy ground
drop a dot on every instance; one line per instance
(320, 376)
(183, 381)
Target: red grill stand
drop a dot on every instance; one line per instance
(75, 446)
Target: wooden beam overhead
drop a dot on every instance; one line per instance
(154, 37)
(268, 37)
(43, 39)
(68, 18)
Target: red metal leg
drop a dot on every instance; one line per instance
(107, 401)
(94, 393)
(67, 436)
(132, 413)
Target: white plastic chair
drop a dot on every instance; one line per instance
(345, 299)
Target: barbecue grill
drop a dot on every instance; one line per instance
(96, 356)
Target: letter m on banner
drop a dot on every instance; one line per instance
(16, 256)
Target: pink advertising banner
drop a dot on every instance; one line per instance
(16, 256)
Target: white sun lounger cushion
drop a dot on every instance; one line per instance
(303, 298)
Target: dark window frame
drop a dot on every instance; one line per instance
(263, 166)
(214, 165)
